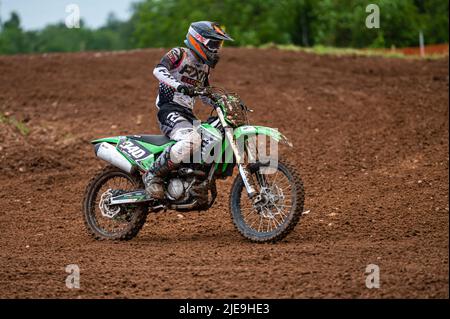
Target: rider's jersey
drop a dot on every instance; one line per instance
(179, 67)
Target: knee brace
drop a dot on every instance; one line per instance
(188, 141)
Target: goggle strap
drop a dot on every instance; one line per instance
(197, 36)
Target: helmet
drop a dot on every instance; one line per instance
(205, 38)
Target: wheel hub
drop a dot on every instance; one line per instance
(107, 210)
(266, 201)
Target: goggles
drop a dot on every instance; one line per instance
(211, 44)
(214, 45)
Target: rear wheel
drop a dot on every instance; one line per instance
(279, 203)
(112, 222)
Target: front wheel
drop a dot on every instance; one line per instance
(279, 205)
(112, 222)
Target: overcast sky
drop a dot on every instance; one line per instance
(36, 14)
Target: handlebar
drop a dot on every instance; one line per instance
(203, 91)
(209, 92)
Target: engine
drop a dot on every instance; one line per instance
(176, 188)
(188, 188)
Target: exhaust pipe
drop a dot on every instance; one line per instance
(110, 154)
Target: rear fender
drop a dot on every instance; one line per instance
(111, 140)
(139, 154)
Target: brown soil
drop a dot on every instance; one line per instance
(370, 138)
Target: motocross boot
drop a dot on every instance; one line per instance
(154, 177)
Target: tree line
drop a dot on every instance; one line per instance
(156, 23)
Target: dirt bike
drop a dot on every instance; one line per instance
(265, 204)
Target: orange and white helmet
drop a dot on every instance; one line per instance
(205, 38)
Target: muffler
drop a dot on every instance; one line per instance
(110, 154)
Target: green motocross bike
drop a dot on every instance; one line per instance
(266, 199)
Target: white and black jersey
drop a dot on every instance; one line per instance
(179, 67)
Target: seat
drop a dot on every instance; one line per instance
(157, 140)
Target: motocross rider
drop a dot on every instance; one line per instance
(179, 72)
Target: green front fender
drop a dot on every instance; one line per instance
(249, 130)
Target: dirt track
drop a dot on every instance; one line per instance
(371, 141)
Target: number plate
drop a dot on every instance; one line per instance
(133, 150)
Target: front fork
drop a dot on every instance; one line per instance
(243, 170)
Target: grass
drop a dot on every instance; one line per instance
(3, 118)
(19, 125)
(68, 136)
(324, 50)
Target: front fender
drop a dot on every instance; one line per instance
(249, 130)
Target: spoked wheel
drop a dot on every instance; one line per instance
(273, 214)
(113, 222)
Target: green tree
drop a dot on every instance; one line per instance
(12, 38)
(435, 21)
(164, 23)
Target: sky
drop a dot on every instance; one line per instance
(36, 14)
